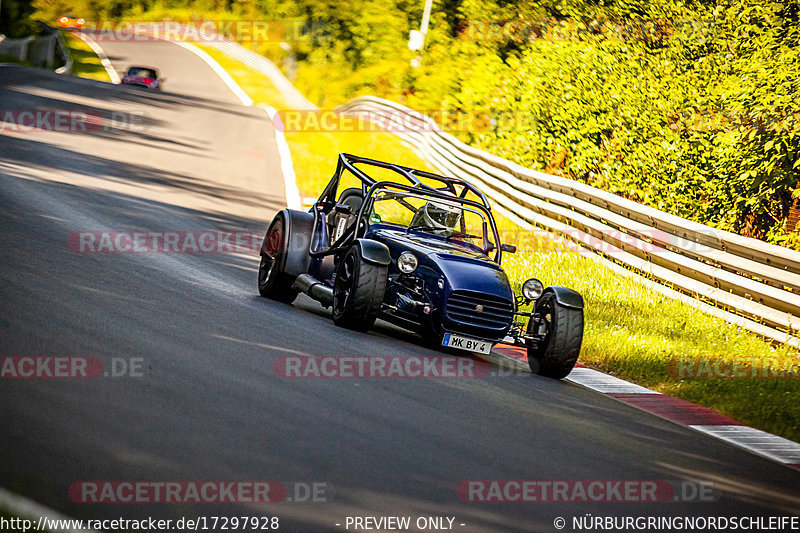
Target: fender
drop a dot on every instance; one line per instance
(296, 237)
(374, 252)
(566, 297)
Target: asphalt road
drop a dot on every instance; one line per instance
(209, 405)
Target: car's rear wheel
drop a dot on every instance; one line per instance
(555, 356)
(272, 282)
(358, 291)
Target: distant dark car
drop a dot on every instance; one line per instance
(145, 77)
(70, 22)
(421, 251)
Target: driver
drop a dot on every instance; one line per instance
(439, 218)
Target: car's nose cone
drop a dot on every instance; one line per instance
(476, 274)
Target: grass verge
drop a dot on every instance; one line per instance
(631, 331)
(5, 58)
(642, 336)
(85, 62)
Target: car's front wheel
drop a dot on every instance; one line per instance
(556, 354)
(272, 282)
(358, 291)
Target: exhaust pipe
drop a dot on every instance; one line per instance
(309, 285)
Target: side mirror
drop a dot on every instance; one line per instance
(508, 248)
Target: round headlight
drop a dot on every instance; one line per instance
(532, 289)
(407, 262)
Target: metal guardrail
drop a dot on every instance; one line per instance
(15, 47)
(39, 51)
(754, 279)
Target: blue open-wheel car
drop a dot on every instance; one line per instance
(421, 251)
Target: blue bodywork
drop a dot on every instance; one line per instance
(453, 279)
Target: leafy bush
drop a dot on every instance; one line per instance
(689, 109)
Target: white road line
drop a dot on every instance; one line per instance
(102, 55)
(757, 441)
(604, 383)
(224, 76)
(22, 507)
(289, 179)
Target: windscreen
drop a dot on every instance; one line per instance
(142, 72)
(420, 214)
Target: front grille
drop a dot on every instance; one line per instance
(462, 306)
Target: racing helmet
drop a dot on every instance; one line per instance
(440, 216)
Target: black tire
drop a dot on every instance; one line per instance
(273, 283)
(556, 356)
(358, 291)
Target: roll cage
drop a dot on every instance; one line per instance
(452, 190)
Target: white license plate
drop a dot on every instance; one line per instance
(465, 343)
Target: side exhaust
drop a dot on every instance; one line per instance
(320, 292)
